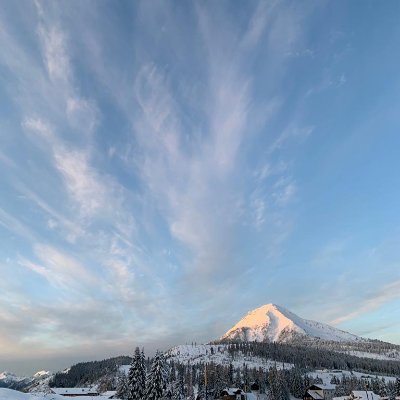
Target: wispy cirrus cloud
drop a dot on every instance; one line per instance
(164, 162)
(371, 302)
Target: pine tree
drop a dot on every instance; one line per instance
(122, 387)
(137, 376)
(397, 386)
(178, 389)
(156, 381)
(201, 391)
(277, 389)
(230, 374)
(297, 387)
(391, 391)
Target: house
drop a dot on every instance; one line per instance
(320, 392)
(360, 395)
(239, 394)
(232, 394)
(255, 388)
(364, 395)
(75, 392)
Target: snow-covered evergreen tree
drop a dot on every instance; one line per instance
(277, 389)
(122, 387)
(397, 385)
(297, 387)
(137, 376)
(391, 391)
(156, 381)
(179, 389)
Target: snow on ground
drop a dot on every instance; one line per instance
(219, 354)
(9, 394)
(41, 374)
(391, 356)
(327, 375)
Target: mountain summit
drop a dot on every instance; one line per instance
(276, 324)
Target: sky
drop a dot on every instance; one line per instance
(167, 166)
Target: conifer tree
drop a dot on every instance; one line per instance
(156, 381)
(137, 376)
(391, 391)
(122, 387)
(397, 387)
(230, 374)
(178, 389)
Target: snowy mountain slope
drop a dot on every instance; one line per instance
(219, 355)
(8, 377)
(276, 324)
(38, 382)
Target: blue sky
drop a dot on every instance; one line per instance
(167, 166)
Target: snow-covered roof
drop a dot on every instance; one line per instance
(364, 395)
(85, 391)
(232, 391)
(325, 386)
(315, 395)
(109, 393)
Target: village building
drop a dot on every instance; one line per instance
(239, 394)
(232, 394)
(320, 392)
(360, 395)
(364, 395)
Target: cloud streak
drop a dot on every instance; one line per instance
(152, 170)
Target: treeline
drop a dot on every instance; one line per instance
(310, 357)
(160, 378)
(371, 346)
(176, 381)
(88, 373)
(380, 386)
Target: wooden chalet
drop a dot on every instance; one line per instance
(319, 392)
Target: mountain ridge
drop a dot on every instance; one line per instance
(274, 323)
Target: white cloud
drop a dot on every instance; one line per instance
(14, 225)
(380, 297)
(81, 181)
(82, 114)
(59, 268)
(261, 18)
(55, 53)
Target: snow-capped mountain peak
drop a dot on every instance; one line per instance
(41, 374)
(8, 376)
(271, 322)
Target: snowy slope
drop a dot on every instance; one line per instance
(218, 354)
(38, 382)
(8, 377)
(10, 394)
(274, 323)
